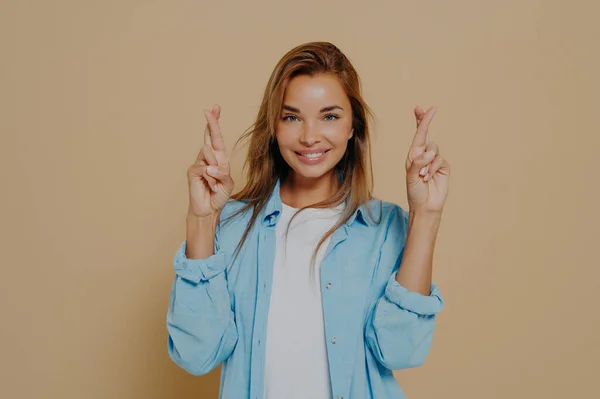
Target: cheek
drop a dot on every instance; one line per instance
(286, 135)
(338, 134)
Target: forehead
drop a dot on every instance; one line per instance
(306, 92)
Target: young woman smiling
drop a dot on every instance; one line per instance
(302, 284)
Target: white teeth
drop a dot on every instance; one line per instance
(316, 155)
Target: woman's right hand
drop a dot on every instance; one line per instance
(209, 179)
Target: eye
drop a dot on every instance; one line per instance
(290, 118)
(331, 117)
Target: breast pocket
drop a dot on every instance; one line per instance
(357, 272)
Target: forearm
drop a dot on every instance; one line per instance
(415, 272)
(200, 236)
(200, 319)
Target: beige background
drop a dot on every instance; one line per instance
(100, 105)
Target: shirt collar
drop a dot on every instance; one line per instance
(273, 208)
(361, 216)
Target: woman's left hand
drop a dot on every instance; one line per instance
(427, 173)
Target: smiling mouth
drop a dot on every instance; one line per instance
(312, 155)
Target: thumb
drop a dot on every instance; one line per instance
(420, 162)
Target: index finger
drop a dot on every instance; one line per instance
(207, 140)
(215, 138)
(419, 113)
(217, 112)
(420, 138)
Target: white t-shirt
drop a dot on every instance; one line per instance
(296, 355)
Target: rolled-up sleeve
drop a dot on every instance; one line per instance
(399, 328)
(424, 305)
(200, 319)
(199, 270)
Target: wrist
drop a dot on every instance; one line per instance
(424, 219)
(200, 235)
(208, 222)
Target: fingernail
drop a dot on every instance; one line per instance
(423, 170)
(429, 155)
(212, 170)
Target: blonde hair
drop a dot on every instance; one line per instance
(264, 164)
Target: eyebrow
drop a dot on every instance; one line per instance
(326, 109)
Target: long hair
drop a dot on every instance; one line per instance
(264, 164)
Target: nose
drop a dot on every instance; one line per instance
(310, 134)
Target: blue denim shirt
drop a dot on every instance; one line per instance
(373, 325)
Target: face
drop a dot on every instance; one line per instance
(315, 125)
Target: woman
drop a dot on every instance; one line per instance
(302, 285)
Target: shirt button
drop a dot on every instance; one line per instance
(333, 340)
(328, 285)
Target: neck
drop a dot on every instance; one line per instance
(298, 192)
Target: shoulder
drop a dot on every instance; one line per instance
(235, 214)
(392, 230)
(231, 207)
(233, 221)
(387, 214)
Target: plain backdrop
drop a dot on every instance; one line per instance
(101, 114)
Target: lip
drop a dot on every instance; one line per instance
(315, 160)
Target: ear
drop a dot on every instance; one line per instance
(351, 134)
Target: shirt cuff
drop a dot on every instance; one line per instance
(197, 270)
(413, 301)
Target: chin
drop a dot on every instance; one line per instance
(311, 172)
